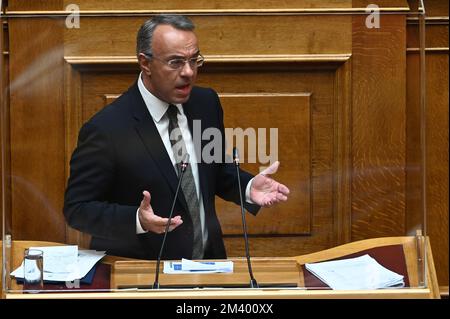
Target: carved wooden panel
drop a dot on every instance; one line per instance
(268, 119)
(358, 128)
(256, 115)
(308, 152)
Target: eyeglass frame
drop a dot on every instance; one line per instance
(199, 59)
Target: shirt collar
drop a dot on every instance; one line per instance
(155, 106)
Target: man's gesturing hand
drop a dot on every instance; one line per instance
(154, 223)
(265, 191)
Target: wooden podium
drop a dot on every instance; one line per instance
(130, 278)
(271, 272)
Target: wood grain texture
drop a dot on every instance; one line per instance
(342, 155)
(319, 79)
(132, 274)
(437, 161)
(178, 5)
(436, 8)
(436, 34)
(5, 162)
(437, 89)
(210, 4)
(101, 84)
(100, 6)
(219, 35)
(361, 129)
(436, 132)
(48, 5)
(277, 127)
(37, 146)
(379, 124)
(415, 214)
(139, 272)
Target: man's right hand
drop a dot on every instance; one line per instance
(154, 223)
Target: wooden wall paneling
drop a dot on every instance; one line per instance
(209, 5)
(83, 98)
(72, 123)
(284, 117)
(42, 6)
(5, 169)
(327, 95)
(219, 35)
(415, 214)
(342, 154)
(436, 132)
(233, 66)
(437, 88)
(198, 6)
(435, 35)
(437, 161)
(102, 84)
(106, 37)
(2, 125)
(205, 6)
(378, 128)
(37, 130)
(384, 5)
(436, 8)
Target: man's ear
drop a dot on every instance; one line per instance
(144, 64)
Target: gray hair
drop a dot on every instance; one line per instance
(145, 33)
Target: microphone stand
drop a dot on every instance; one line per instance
(253, 283)
(184, 165)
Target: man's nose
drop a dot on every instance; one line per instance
(187, 70)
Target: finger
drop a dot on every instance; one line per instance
(172, 227)
(283, 189)
(159, 221)
(281, 197)
(145, 203)
(176, 221)
(268, 203)
(272, 169)
(276, 198)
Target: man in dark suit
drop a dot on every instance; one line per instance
(123, 173)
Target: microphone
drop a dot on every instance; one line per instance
(253, 283)
(183, 166)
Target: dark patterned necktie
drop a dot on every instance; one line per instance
(187, 184)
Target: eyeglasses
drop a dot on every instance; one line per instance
(178, 63)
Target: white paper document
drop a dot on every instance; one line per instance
(187, 266)
(65, 263)
(355, 274)
(59, 259)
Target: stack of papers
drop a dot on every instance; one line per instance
(187, 266)
(65, 263)
(355, 273)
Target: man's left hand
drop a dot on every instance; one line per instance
(265, 191)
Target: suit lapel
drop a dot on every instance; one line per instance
(147, 131)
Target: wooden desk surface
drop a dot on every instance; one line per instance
(263, 266)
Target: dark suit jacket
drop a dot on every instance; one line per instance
(119, 154)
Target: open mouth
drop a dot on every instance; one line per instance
(184, 88)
